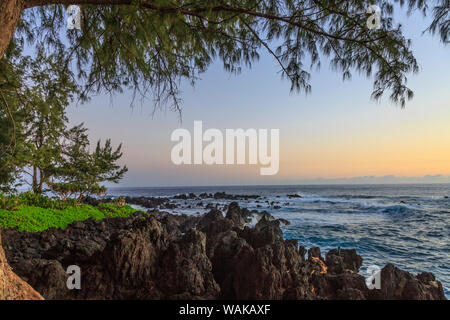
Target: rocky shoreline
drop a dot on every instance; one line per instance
(218, 255)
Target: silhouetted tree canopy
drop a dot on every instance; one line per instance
(149, 46)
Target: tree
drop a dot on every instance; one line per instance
(81, 172)
(11, 138)
(150, 45)
(8, 172)
(35, 93)
(36, 144)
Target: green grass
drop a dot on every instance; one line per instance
(32, 218)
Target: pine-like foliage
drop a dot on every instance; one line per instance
(149, 46)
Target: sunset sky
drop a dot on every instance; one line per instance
(333, 133)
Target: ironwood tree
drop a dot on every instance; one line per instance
(150, 45)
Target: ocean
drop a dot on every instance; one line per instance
(406, 225)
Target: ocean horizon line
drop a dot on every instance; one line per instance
(279, 185)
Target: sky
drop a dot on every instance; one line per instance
(336, 134)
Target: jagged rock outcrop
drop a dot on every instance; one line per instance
(185, 271)
(397, 284)
(341, 260)
(213, 256)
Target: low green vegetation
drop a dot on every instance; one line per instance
(35, 212)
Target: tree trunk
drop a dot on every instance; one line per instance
(35, 178)
(10, 11)
(41, 180)
(11, 286)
